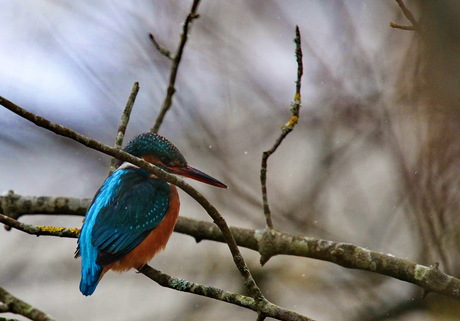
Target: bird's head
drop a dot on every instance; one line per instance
(157, 150)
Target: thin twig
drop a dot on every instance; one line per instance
(165, 52)
(39, 230)
(398, 26)
(175, 66)
(285, 129)
(407, 13)
(124, 123)
(179, 284)
(15, 305)
(270, 243)
(249, 281)
(409, 16)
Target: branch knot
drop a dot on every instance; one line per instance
(266, 239)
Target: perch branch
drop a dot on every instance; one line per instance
(175, 66)
(271, 243)
(285, 130)
(210, 209)
(165, 280)
(179, 284)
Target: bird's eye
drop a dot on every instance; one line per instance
(165, 160)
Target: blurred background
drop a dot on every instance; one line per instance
(373, 160)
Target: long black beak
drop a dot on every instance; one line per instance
(189, 171)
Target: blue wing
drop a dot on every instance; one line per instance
(131, 212)
(128, 206)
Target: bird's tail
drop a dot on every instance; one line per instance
(90, 276)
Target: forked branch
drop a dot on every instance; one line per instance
(175, 65)
(249, 281)
(409, 16)
(285, 129)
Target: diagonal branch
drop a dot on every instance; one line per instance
(124, 123)
(165, 280)
(285, 130)
(175, 66)
(267, 308)
(122, 155)
(165, 52)
(14, 305)
(407, 13)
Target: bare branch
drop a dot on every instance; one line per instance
(175, 66)
(38, 229)
(14, 205)
(178, 284)
(165, 52)
(286, 129)
(398, 26)
(122, 155)
(165, 280)
(269, 243)
(124, 123)
(15, 305)
(409, 15)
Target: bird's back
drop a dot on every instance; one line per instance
(129, 221)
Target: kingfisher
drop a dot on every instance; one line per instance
(133, 214)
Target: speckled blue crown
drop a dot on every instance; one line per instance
(154, 145)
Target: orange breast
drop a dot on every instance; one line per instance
(153, 243)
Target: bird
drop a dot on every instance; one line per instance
(133, 214)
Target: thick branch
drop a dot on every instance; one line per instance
(15, 205)
(175, 66)
(15, 305)
(271, 242)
